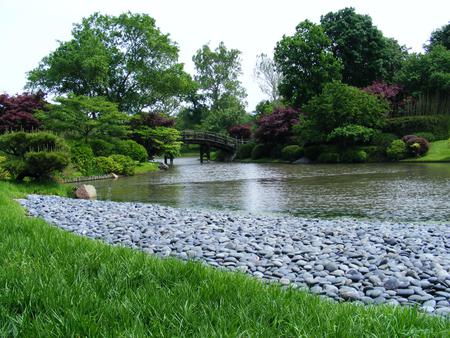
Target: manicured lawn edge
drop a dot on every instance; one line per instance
(53, 283)
(439, 152)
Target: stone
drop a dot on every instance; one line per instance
(86, 191)
(348, 293)
(330, 266)
(405, 292)
(391, 283)
(163, 166)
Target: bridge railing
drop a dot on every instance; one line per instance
(211, 137)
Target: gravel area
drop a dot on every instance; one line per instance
(371, 262)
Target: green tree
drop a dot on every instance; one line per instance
(164, 141)
(440, 36)
(365, 53)
(125, 59)
(306, 62)
(84, 118)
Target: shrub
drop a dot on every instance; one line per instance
(374, 153)
(354, 156)
(240, 131)
(430, 137)
(274, 151)
(276, 128)
(383, 139)
(313, 152)
(245, 151)
(36, 155)
(259, 151)
(291, 153)
(4, 174)
(82, 157)
(106, 165)
(102, 148)
(351, 134)
(397, 150)
(416, 145)
(126, 164)
(436, 124)
(132, 149)
(328, 158)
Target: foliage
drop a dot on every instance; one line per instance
(222, 120)
(17, 112)
(276, 128)
(132, 149)
(383, 139)
(306, 62)
(117, 164)
(267, 107)
(82, 157)
(426, 135)
(85, 118)
(151, 120)
(328, 157)
(353, 156)
(437, 124)
(426, 73)
(101, 147)
(245, 151)
(440, 36)
(374, 153)
(392, 93)
(291, 153)
(124, 58)
(351, 134)
(241, 131)
(312, 152)
(340, 105)
(397, 150)
(259, 151)
(267, 76)
(365, 53)
(4, 174)
(416, 145)
(439, 152)
(106, 165)
(163, 141)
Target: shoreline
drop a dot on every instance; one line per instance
(371, 262)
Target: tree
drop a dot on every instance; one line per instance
(85, 118)
(276, 128)
(217, 76)
(365, 53)
(440, 36)
(17, 112)
(164, 141)
(306, 62)
(125, 59)
(267, 76)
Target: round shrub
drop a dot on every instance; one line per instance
(259, 151)
(328, 158)
(106, 165)
(354, 156)
(102, 148)
(245, 151)
(383, 139)
(397, 150)
(83, 159)
(41, 164)
(416, 145)
(291, 153)
(132, 149)
(126, 164)
(430, 137)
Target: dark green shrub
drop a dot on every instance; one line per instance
(351, 134)
(374, 153)
(102, 148)
(430, 137)
(83, 159)
(328, 158)
(397, 150)
(383, 139)
(4, 174)
(132, 149)
(291, 153)
(436, 124)
(245, 151)
(354, 156)
(416, 146)
(126, 164)
(259, 151)
(41, 164)
(313, 152)
(275, 150)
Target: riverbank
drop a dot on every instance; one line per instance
(439, 152)
(372, 262)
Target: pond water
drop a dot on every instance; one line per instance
(395, 192)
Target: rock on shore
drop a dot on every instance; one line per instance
(369, 261)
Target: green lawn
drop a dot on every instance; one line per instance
(439, 152)
(146, 167)
(54, 284)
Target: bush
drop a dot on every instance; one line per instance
(415, 145)
(430, 137)
(4, 174)
(259, 151)
(106, 165)
(132, 149)
(374, 153)
(436, 124)
(383, 139)
(351, 134)
(245, 151)
(354, 156)
(240, 131)
(274, 151)
(313, 152)
(397, 150)
(83, 159)
(117, 164)
(291, 153)
(328, 158)
(102, 148)
(36, 155)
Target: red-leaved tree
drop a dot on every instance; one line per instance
(241, 131)
(16, 112)
(276, 128)
(393, 93)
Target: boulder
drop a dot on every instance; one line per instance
(86, 192)
(163, 166)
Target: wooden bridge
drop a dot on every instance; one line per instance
(208, 140)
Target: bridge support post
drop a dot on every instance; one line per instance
(205, 150)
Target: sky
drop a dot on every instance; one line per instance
(30, 30)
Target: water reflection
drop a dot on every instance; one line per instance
(409, 192)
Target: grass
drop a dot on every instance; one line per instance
(53, 284)
(143, 168)
(439, 152)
